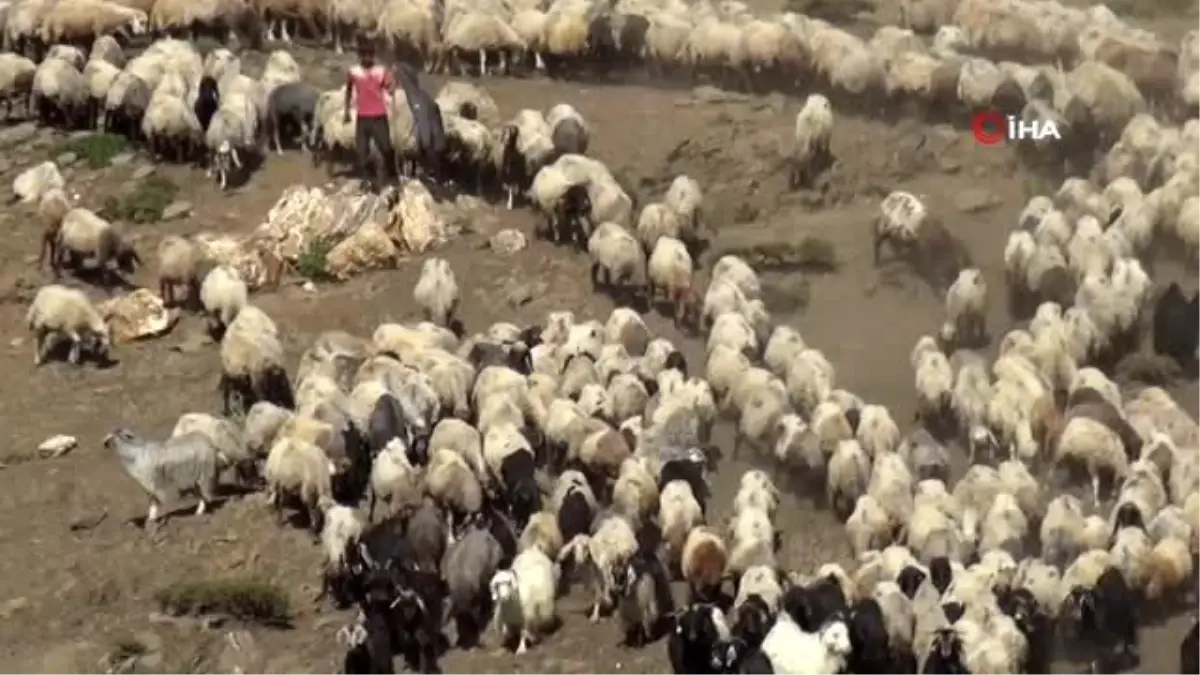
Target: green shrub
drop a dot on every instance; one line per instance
(97, 150)
(244, 599)
(312, 263)
(144, 204)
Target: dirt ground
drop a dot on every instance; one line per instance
(70, 594)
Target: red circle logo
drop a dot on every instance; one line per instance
(988, 127)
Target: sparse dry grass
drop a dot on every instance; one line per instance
(245, 599)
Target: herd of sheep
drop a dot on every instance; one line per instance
(472, 478)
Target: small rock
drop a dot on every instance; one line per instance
(948, 163)
(520, 295)
(123, 159)
(18, 134)
(507, 242)
(177, 210)
(141, 172)
(710, 94)
(66, 159)
(975, 199)
(57, 446)
(13, 606)
(16, 342)
(150, 640)
(193, 343)
(308, 287)
(150, 663)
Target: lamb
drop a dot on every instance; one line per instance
(252, 367)
(394, 480)
(300, 468)
(165, 470)
(966, 308)
(524, 597)
(67, 312)
(223, 294)
(810, 150)
(179, 263)
(436, 292)
(617, 258)
(671, 269)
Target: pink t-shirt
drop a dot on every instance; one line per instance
(370, 84)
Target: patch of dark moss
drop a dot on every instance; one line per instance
(96, 150)
(245, 599)
(145, 203)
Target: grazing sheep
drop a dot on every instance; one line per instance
(617, 258)
(299, 468)
(165, 470)
(179, 261)
(436, 292)
(671, 269)
(83, 236)
(810, 150)
(223, 294)
(61, 311)
(252, 367)
(524, 597)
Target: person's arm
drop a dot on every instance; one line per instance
(349, 95)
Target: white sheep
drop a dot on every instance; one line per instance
(966, 309)
(877, 431)
(609, 547)
(810, 138)
(847, 477)
(223, 294)
(232, 132)
(678, 513)
(899, 222)
(524, 597)
(394, 479)
(1096, 447)
(436, 292)
(61, 311)
(671, 269)
(791, 650)
(617, 257)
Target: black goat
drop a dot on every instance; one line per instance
(871, 651)
(1106, 615)
(813, 605)
(1189, 651)
(1177, 326)
(694, 639)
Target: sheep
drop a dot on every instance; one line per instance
(223, 294)
(16, 81)
(231, 133)
(685, 199)
(468, 568)
(252, 363)
(393, 479)
(83, 235)
(179, 263)
(877, 431)
(678, 514)
(703, 562)
(617, 258)
(452, 483)
(791, 650)
(568, 130)
(90, 18)
(169, 124)
(436, 292)
(847, 476)
(645, 598)
(67, 312)
(59, 92)
(901, 216)
(810, 153)
(868, 526)
(1094, 445)
(297, 467)
(164, 470)
(340, 533)
(934, 384)
(671, 269)
(291, 106)
(524, 597)
(226, 437)
(966, 307)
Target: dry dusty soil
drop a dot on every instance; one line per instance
(73, 589)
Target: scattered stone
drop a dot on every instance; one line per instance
(150, 640)
(66, 159)
(508, 241)
(13, 606)
(18, 134)
(142, 172)
(710, 94)
(948, 163)
(193, 343)
(975, 200)
(177, 210)
(123, 159)
(57, 446)
(520, 295)
(308, 287)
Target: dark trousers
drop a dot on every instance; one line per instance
(368, 131)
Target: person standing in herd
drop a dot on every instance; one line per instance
(370, 85)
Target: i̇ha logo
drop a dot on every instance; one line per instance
(991, 127)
